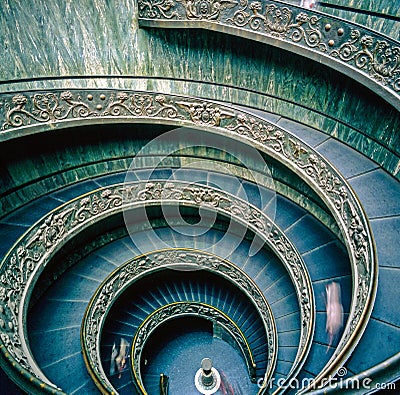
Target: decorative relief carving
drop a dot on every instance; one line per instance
(207, 114)
(194, 9)
(379, 58)
(26, 110)
(23, 260)
(206, 9)
(42, 240)
(364, 50)
(280, 22)
(12, 282)
(141, 266)
(182, 309)
(158, 9)
(268, 137)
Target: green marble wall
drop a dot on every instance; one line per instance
(29, 170)
(387, 22)
(97, 43)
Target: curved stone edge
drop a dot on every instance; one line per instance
(184, 309)
(37, 112)
(386, 372)
(26, 260)
(270, 234)
(146, 264)
(363, 54)
(268, 102)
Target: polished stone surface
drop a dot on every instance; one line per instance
(100, 46)
(374, 349)
(327, 261)
(386, 295)
(180, 356)
(347, 160)
(379, 193)
(386, 233)
(304, 240)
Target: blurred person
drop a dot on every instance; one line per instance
(307, 4)
(119, 357)
(225, 387)
(120, 360)
(114, 353)
(334, 311)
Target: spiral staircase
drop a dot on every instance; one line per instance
(186, 180)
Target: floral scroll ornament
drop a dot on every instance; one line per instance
(141, 266)
(206, 9)
(157, 9)
(280, 22)
(207, 114)
(54, 107)
(184, 309)
(44, 107)
(31, 109)
(377, 57)
(364, 52)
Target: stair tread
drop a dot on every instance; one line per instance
(378, 183)
(346, 159)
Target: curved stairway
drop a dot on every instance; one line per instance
(168, 288)
(56, 317)
(66, 300)
(379, 194)
(111, 89)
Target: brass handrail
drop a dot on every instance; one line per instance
(80, 108)
(184, 309)
(72, 217)
(144, 265)
(164, 384)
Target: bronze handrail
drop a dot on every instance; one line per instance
(184, 309)
(79, 108)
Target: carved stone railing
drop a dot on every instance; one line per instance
(364, 54)
(24, 263)
(180, 310)
(28, 113)
(126, 275)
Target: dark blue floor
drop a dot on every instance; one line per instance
(323, 254)
(7, 387)
(180, 359)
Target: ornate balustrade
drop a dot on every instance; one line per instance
(24, 263)
(145, 265)
(185, 309)
(28, 113)
(364, 54)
